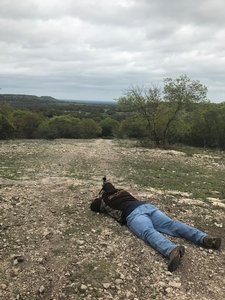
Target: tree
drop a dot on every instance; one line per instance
(206, 125)
(109, 127)
(184, 91)
(7, 129)
(143, 102)
(133, 127)
(6, 109)
(162, 109)
(26, 123)
(220, 125)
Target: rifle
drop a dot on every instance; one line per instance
(103, 183)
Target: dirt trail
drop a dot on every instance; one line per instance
(53, 247)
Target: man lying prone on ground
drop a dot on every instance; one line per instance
(149, 223)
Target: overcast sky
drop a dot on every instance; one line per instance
(96, 49)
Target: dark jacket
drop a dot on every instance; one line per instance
(114, 202)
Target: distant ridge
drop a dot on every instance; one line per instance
(31, 101)
(20, 100)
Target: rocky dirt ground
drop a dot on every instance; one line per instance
(53, 247)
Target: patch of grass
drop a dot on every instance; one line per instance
(81, 168)
(20, 163)
(127, 143)
(69, 210)
(29, 159)
(99, 231)
(11, 167)
(72, 188)
(192, 174)
(57, 251)
(16, 291)
(216, 208)
(70, 231)
(93, 272)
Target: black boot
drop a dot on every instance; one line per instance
(211, 242)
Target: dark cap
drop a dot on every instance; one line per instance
(108, 187)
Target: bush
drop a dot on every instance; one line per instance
(7, 130)
(109, 127)
(90, 129)
(60, 127)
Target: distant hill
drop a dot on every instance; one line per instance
(19, 101)
(32, 101)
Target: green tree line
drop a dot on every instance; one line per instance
(177, 113)
(27, 124)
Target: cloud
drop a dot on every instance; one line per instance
(96, 49)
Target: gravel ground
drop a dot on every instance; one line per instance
(53, 247)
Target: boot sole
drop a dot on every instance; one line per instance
(173, 265)
(214, 243)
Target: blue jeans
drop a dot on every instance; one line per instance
(149, 223)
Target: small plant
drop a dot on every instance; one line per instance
(16, 291)
(72, 188)
(57, 251)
